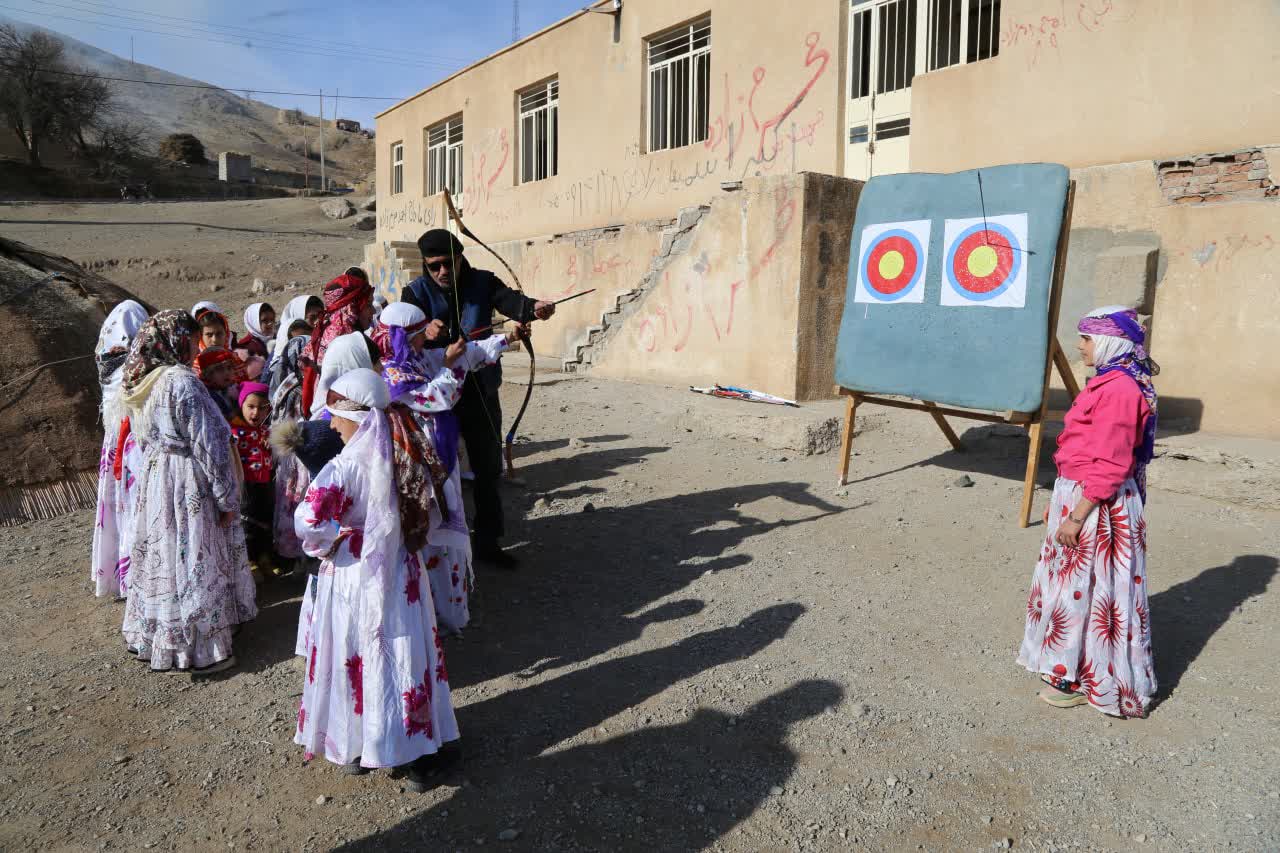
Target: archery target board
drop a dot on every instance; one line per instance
(983, 264)
(892, 263)
(972, 329)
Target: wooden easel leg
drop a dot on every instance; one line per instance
(846, 440)
(1033, 464)
(1064, 370)
(938, 419)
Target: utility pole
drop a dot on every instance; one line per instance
(306, 155)
(323, 184)
(132, 61)
(515, 21)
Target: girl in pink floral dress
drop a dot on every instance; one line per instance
(121, 458)
(375, 689)
(1088, 629)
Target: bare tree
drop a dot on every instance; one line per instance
(29, 93)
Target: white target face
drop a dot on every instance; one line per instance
(892, 260)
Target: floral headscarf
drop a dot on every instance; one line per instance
(117, 333)
(344, 298)
(286, 382)
(163, 341)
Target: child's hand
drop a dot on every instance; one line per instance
(455, 351)
(521, 330)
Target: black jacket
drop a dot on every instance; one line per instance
(479, 294)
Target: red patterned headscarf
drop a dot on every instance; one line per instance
(344, 298)
(211, 356)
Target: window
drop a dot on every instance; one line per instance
(444, 156)
(539, 131)
(680, 85)
(962, 31)
(397, 168)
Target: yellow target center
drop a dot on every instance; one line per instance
(891, 265)
(983, 261)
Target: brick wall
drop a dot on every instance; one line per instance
(1213, 178)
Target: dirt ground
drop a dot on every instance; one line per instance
(708, 646)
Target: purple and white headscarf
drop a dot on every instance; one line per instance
(1119, 345)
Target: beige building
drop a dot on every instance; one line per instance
(656, 150)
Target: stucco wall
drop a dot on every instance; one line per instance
(775, 89)
(1216, 300)
(1088, 82)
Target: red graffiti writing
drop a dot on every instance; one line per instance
(1039, 35)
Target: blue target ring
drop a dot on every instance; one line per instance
(874, 283)
(998, 237)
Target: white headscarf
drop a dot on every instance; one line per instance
(345, 354)
(294, 311)
(363, 387)
(206, 305)
(253, 324)
(1107, 347)
(403, 314)
(118, 331)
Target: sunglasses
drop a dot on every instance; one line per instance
(443, 263)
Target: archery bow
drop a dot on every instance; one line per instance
(528, 343)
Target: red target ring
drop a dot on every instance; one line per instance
(892, 264)
(984, 261)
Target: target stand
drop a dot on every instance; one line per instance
(1032, 422)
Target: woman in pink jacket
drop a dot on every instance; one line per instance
(1088, 631)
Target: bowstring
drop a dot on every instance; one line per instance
(494, 427)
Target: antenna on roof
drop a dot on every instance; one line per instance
(515, 21)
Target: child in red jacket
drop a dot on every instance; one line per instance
(250, 430)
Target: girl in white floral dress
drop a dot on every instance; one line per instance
(121, 458)
(375, 689)
(429, 382)
(190, 583)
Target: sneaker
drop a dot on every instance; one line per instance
(497, 557)
(354, 768)
(1061, 698)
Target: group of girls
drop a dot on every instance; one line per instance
(327, 439)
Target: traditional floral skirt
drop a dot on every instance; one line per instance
(382, 700)
(113, 524)
(291, 480)
(449, 573)
(190, 584)
(1088, 621)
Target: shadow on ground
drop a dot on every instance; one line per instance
(1185, 616)
(681, 786)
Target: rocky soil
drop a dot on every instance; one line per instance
(708, 646)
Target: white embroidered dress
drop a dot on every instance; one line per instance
(190, 581)
(113, 522)
(375, 688)
(447, 555)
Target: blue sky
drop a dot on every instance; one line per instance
(396, 47)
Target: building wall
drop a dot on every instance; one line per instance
(775, 108)
(1091, 82)
(1215, 310)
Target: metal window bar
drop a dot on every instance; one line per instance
(680, 86)
(444, 157)
(860, 81)
(539, 114)
(397, 168)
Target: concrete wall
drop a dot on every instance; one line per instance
(235, 168)
(776, 97)
(1089, 82)
(1210, 274)
(751, 301)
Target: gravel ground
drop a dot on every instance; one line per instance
(708, 646)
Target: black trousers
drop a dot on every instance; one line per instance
(480, 422)
(257, 513)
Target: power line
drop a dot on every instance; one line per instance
(328, 54)
(287, 37)
(230, 90)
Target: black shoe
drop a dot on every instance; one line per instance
(496, 557)
(422, 774)
(354, 768)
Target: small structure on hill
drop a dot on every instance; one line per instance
(235, 168)
(51, 310)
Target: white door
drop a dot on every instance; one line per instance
(886, 49)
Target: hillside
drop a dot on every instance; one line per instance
(222, 120)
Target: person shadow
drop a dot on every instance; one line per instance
(595, 591)
(680, 786)
(1185, 616)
